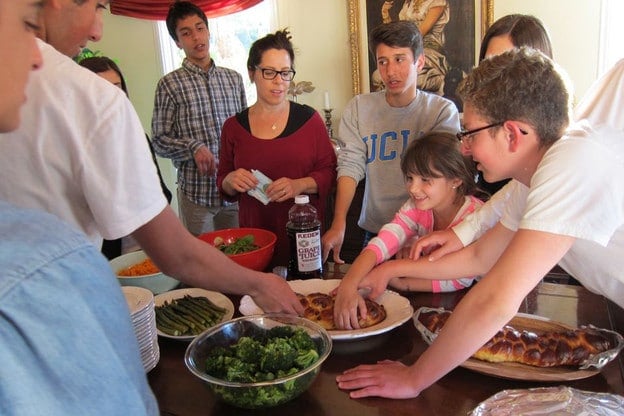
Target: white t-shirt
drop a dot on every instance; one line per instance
(80, 153)
(578, 191)
(486, 217)
(603, 103)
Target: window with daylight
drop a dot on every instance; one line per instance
(611, 33)
(230, 39)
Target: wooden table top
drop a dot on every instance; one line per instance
(180, 393)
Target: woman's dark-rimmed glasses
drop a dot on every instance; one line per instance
(270, 74)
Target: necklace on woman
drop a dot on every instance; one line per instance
(265, 118)
(278, 120)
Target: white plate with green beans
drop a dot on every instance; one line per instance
(185, 313)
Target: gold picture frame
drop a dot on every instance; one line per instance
(358, 38)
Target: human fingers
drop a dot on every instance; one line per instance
(276, 295)
(289, 297)
(332, 241)
(376, 290)
(425, 244)
(326, 245)
(335, 250)
(387, 378)
(350, 315)
(242, 180)
(280, 190)
(446, 242)
(202, 160)
(360, 377)
(437, 252)
(325, 249)
(342, 311)
(374, 283)
(211, 165)
(359, 311)
(337, 258)
(201, 165)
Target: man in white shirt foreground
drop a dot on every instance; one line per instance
(80, 153)
(67, 342)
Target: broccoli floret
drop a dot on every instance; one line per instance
(301, 340)
(220, 351)
(216, 364)
(248, 349)
(282, 331)
(306, 358)
(269, 396)
(240, 371)
(278, 355)
(264, 376)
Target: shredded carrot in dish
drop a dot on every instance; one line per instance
(139, 269)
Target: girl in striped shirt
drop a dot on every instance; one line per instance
(441, 185)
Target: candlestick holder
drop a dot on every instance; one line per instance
(328, 121)
(328, 125)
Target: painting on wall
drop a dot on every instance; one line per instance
(453, 29)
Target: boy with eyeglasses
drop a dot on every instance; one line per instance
(565, 206)
(190, 107)
(376, 128)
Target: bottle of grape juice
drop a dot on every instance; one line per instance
(304, 232)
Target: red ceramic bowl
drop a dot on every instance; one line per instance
(258, 259)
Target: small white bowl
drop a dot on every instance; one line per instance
(157, 282)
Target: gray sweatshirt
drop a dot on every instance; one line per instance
(374, 136)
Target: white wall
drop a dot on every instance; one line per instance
(131, 43)
(574, 28)
(320, 35)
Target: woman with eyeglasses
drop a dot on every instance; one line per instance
(282, 140)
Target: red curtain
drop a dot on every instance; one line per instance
(157, 9)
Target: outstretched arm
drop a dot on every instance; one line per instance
(334, 237)
(474, 260)
(485, 309)
(436, 245)
(196, 263)
(441, 243)
(348, 300)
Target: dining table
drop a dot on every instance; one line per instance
(181, 393)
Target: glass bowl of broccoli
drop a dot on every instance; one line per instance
(259, 361)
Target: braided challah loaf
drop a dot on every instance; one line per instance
(548, 349)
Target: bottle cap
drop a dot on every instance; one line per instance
(302, 199)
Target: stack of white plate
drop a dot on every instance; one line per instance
(141, 304)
